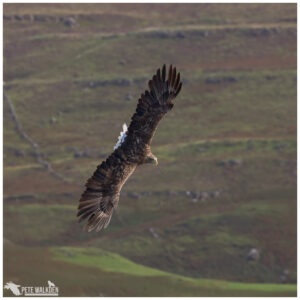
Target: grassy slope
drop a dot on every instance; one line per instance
(47, 70)
(97, 270)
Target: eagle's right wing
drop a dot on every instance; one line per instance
(103, 191)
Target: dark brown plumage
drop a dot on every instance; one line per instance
(103, 188)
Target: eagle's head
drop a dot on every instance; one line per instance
(151, 159)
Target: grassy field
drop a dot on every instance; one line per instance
(226, 180)
(98, 270)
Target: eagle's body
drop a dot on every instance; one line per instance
(133, 149)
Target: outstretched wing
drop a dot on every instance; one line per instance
(154, 104)
(103, 188)
(103, 191)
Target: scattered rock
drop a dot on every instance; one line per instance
(19, 153)
(215, 194)
(91, 84)
(229, 163)
(67, 253)
(194, 194)
(284, 275)
(230, 79)
(279, 147)
(172, 193)
(180, 35)
(7, 242)
(203, 195)
(221, 163)
(213, 80)
(121, 82)
(20, 198)
(39, 18)
(253, 254)
(53, 120)
(198, 33)
(69, 22)
(218, 80)
(116, 82)
(18, 18)
(147, 193)
(77, 155)
(159, 34)
(80, 154)
(133, 195)
(159, 193)
(154, 234)
(205, 33)
(128, 97)
(255, 32)
(235, 162)
(250, 146)
(7, 17)
(28, 17)
(201, 149)
(269, 77)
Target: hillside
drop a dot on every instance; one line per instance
(226, 180)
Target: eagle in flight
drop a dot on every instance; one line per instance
(132, 149)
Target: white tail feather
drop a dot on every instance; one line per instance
(122, 137)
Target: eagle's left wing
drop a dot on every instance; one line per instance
(154, 104)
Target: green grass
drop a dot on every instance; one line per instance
(75, 276)
(208, 244)
(104, 260)
(112, 262)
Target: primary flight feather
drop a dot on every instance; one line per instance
(132, 149)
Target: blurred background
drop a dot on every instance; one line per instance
(219, 212)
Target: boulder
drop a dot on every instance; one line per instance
(284, 275)
(69, 22)
(253, 254)
(203, 195)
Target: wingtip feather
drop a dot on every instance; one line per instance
(158, 74)
(178, 89)
(164, 73)
(173, 77)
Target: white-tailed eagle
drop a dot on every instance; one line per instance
(132, 149)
